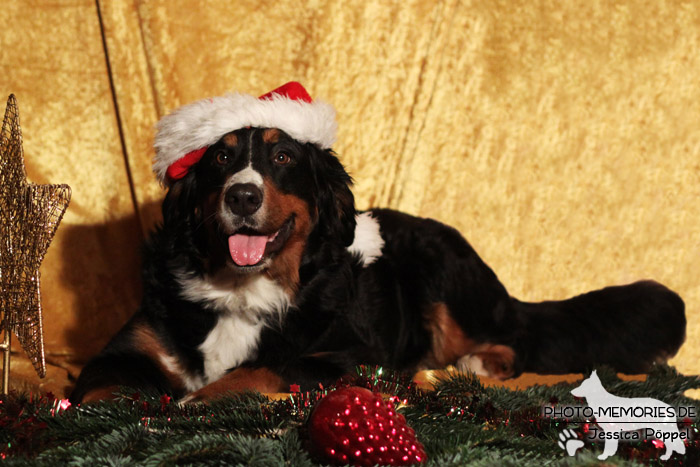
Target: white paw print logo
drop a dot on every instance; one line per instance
(569, 441)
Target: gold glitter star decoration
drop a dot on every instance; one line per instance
(29, 217)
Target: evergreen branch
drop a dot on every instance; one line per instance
(461, 422)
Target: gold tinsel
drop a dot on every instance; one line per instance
(29, 216)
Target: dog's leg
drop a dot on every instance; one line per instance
(136, 358)
(609, 449)
(238, 380)
(100, 394)
(667, 455)
(452, 346)
(674, 445)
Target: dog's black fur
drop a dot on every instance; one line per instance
(427, 300)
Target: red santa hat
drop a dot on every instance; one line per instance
(184, 135)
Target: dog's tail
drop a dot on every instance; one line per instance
(626, 327)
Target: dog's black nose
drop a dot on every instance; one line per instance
(244, 199)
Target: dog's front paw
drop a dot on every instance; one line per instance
(186, 400)
(194, 398)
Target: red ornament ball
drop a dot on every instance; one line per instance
(355, 426)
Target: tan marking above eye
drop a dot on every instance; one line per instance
(271, 135)
(230, 140)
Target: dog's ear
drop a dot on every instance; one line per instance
(335, 201)
(180, 203)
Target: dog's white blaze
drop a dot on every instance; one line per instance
(235, 336)
(191, 382)
(247, 175)
(368, 242)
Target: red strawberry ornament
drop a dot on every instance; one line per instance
(355, 426)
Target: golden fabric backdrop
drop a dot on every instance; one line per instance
(561, 138)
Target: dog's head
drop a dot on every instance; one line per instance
(258, 200)
(590, 386)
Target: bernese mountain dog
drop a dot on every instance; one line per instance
(263, 275)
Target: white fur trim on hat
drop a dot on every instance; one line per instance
(204, 122)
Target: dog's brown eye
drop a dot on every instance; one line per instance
(222, 158)
(282, 158)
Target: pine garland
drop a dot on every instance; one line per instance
(460, 422)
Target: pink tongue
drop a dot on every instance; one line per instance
(247, 250)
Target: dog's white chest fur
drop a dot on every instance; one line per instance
(234, 338)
